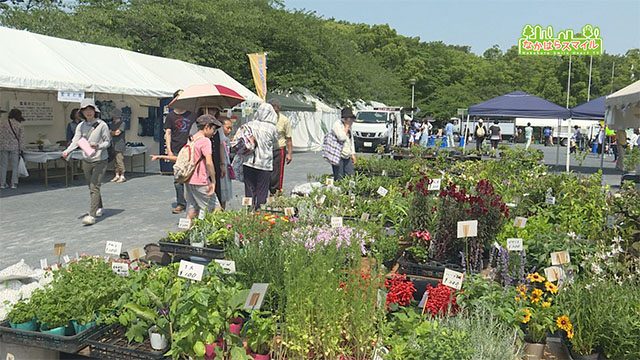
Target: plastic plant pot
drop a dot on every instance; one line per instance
(60, 330)
(80, 328)
(158, 340)
(27, 326)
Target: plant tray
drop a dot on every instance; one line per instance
(67, 344)
(111, 343)
(431, 270)
(188, 250)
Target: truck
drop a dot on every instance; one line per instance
(380, 126)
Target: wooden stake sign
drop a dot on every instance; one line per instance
(247, 201)
(256, 296)
(453, 279)
(554, 273)
(560, 257)
(58, 248)
(520, 222)
(467, 228)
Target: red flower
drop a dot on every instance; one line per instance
(441, 300)
(400, 289)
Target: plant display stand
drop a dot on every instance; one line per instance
(68, 344)
(19, 351)
(111, 343)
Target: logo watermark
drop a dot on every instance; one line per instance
(536, 40)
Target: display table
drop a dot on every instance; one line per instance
(131, 151)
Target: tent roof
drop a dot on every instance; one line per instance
(593, 109)
(625, 96)
(519, 104)
(291, 103)
(38, 62)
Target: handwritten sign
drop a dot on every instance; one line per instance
(382, 191)
(43, 264)
(336, 221)
(113, 248)
(136, 253)
(229, 266)
(58, 248)
(452, 279)
(520, 222)
(121, 269)
(364, 217)
(190, 271)
(66, 259)
(256, 296)
(554, 273)
(435, 185)
(184, 223)
(247, 201)
(328, 181)
(289, 211)
(560, 257)
(202, 214)
(514, 244)
(467, 228)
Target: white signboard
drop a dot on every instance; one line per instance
(256, 296)
(113, 248)
(435, 184)
(34, 112)
(70, 96)
(560, 257)
(336, 221)
(520, 222)
(514, 244)
(554, 273)
(247, 201)
(191, 271)
(452, 279)
(382, 191)
(184, 223)
(121, 269)
(229, 266)
(467, 228)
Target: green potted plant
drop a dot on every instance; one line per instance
(23, 316)
(260, 331)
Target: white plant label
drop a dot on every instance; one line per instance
(184, 223)
(229, 266)
(190, 271)
(66, 259)
(452, 279)
(136, 253)
(384, 172)
(467, 228)
(364, 217)
(382, 191)
(121, 269)
(322, 199)
(380, 353)
(435, 185)
(43, 264)
(381, 298)
(256, 296)
(289, 211)
(202, 214)
(551, 200)
(58, 248)
(423, 301)
(554, 273)
(55, 267)
(328, 181)
(113, 248)
(520, 222)
(560, 257)
(236, 239)
(247, 201)
(514, 244)
(336, 221)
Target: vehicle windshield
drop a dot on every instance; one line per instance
(371, 117)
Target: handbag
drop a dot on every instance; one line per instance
(331, 148)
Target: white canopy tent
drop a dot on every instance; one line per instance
(309, 128)
(623, 108)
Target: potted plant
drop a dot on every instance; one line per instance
(260, 331)
(23, 316)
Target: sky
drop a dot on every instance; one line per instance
(483, 23)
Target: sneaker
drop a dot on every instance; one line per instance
(99, 212)
(3, 186)
(121, 179)
(14, 186)
(115, 178)
(178, 209)
(88, 220)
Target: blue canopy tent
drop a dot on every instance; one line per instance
(593, 109)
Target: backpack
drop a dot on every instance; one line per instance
(184, 167)
(480, 131)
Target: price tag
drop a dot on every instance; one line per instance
(520, 222)
(229, 266)
(328, 181)
(364, 217)
(113, 248)
(55, 267)
(551, 200)
(384, 172)
(191, 271)
(452, 279)
(247, 201)
(467, 228)
(43, 264)
(514, 244)
(435, 185)
(58, 248)
(256, 296)
(66, 259)
(184, 223)
(136, 253)
(289, 211)
(382, 191)
(554, 273)
(121, 269)
(336, 221)
(202, 214)
(560, 257)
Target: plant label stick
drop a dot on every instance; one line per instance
(113, 248)
(58, 248)
(452, 279)
(236, 239)
(382, 191)
(256, 296)
(423, 301)
(43, 264)
(384, 172)
(136, 253)
(121, 269)
(328, 181)
(190, 271)
(289, 211)
(560, 257)
(201, 214)
(514, 244)
(551, 200)
(379, 353)
(10, 357)
(184, 223)
(66, 259)
(467, 228)
(247, 201)
(434, 185)
(229, 266)
(554, 273)
(520, 222)
(322, 199)
(336, 221)
(364, 217)
(55, 267)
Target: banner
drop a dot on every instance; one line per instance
(258, 62)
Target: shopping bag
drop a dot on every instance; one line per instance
(22, 168)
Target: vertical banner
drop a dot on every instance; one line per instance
(258, 62)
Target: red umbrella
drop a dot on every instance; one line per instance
(206, 95)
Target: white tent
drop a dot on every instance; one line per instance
(623, 108)
(309, 128)
(37, 62)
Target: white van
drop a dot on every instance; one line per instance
(380, 126)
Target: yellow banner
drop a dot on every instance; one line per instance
(258, 64)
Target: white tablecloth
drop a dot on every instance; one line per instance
(134, 150)
(44, 156)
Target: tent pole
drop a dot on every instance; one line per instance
(568, 163)
(466, 135)
(589, 87)
(558, 143)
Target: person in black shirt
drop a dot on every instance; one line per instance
(495, 134)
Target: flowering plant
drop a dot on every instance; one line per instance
(314, 237)
(400, 291)
(441, 300)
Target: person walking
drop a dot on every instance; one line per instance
(528, 135)
(119, 144)
(495, 135)
(425, 132)
(480, 133)
(283, 154)
(176, 134)
(448, 131)
(547, 136)
(11, 144)
(342, 131)
(199, 191)
(71, 127)
(96, 133)
(258, 165)
(226, 188)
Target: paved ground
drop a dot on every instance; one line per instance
(137, 212)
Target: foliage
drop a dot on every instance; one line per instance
(483, 295)
(632, 159)
(22, 312)
(538, 311)
(260, 330)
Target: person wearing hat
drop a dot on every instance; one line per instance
(342, 131)
(480, 134)
(119, 144)
(11, 144)
(94, 165)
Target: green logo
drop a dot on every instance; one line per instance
(536, 40)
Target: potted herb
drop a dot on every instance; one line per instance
(22, 316)
(260, 331)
